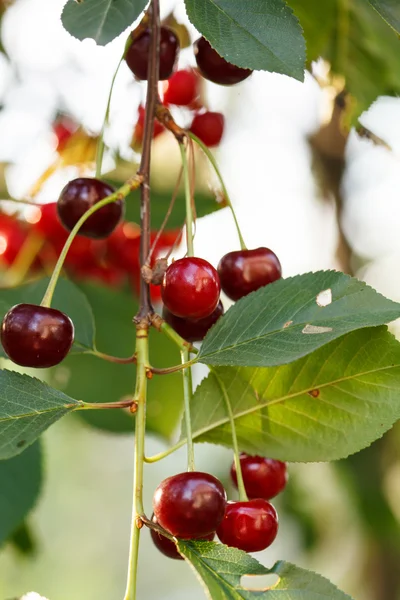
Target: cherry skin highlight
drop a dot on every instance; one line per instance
(137, 55)
(250, 526)
(36, 336)
(193, 331)
(167, 546)
(191, 288)
(245, 271)
(81, 194)
(190, 505)
(182, 88)
(215, 68)
(208, 127)
(263, 477)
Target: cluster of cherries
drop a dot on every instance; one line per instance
(192, 505)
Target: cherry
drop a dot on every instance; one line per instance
(137, 137)
(209, 127)
(262, 477)
(190, 505)
(182, 88)
(215, 68)
(137, 55)
(12, 237)
(167, 546)
(48, 224)
(81, 194)
(244, 271)
(193, 331)
(191, 288)
(250, 526)
(36, 336)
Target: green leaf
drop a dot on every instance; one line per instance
(286, 320)
(101, 20)
(67, 297)
(27, 407)
(20, 483)
(389, 11)
(261, 34)
(220, 570)
(324, 407)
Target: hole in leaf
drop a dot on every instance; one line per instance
(259, 583)
(314, 329)
(324, 298)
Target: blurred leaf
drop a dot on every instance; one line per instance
(23, 539)
(101, 20)
(323, 407)
(67, 297)
(290, 318)
(256, 35)
(27, 407)
(389, 11)
(220, 569)
(20, 483)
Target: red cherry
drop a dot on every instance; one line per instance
(167, 546)
(12, 237)
(48, 223)
(190, 505)
(193, 331)
(36, 336)
(191, 288)
(81, 194)
(245, 271)
(262, 477)
(63, 129)
(137, 138)
(215, 68)
(182, 88)
(250, 526)
(209, 127)
(137, 55)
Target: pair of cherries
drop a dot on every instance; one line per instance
(193, 505)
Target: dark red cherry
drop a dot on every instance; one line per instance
(250, 526)
(193, 331)
(215, 68)
(209, 127)
(81, 194)
(167, 546)
(191, 288)
(190, 505)
(182, 88)
(48, 223)
(245, 271)
(137, 55)
(262, 477)
(36, 336)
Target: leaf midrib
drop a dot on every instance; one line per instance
(68, 407)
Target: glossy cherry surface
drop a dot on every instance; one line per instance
(263, 477)
(81, 194)
(191, 288)
(137, 55)
(36, 336)
(250, 526)
(190, 505)
(193, 331)
(209, 127)
(167, 546)
(182, 88)
(244, 271)
(215, 68)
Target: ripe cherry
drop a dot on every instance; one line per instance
(215, 68)
(262, 477)
(167, 546)
(138, 132)
(48, 223)
(191, 288)
(190, 505)
(182, 88)
(81, 194)
(193, 331)
(209, 127)
(12, 237)
(36, 336)
(245, 271)
(137, 55)
(250, 526)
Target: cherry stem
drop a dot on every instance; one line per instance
(156, 457)
(188, 198)
(122, 192)
(173, 369)
(227, 199)
(182, 344)
(187, 395)
(131, 404)
(242, 490)
(114, 359)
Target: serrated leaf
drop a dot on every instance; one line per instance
(324, 407)
(389, 11)
(101, 20)
(67, 297)
(261, 34)
(20, 483)
(27, 407)
(288, 319)
(220, 570)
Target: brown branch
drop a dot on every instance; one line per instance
(164, 117)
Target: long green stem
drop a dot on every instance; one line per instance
(187, 394)
(188, 198)
(227, 198)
